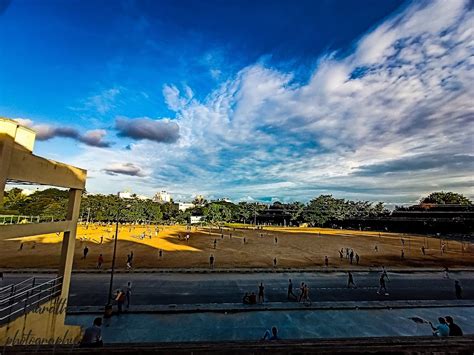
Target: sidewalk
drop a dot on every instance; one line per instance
(275, 306)
(291, 324)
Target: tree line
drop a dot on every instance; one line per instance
(320, 211)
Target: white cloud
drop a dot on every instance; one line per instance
(405, 91)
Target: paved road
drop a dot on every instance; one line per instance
(91, 289)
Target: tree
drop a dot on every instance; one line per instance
(445, 198)
(15, 199)
(322, 209)
(295, 209)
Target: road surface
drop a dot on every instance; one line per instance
(178, 288)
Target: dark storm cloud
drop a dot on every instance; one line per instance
(124, 169)
(45, 132)
(161, 131)
(416, 163)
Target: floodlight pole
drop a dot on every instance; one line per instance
(113, 258)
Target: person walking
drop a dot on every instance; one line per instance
(446, 272)
(261, 289)
(211, 261)
(350, 280)
(341, 254)
(423, 250)
(290, 290)
(301, 292)
(85, 252)
(120, 298)
(357, 259)
(215, 243)
(128, 294)
(100, 261)
(275, 262)
(326, 261)
(382, 285)
(306, 294)
(129, 262)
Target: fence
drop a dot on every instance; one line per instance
(20, 219)
(19, 299)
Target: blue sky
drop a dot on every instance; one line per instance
(252, 100)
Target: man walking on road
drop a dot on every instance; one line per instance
(350, 280)
(128, 294)
(290, 290)
(260, 293)
(382, 285)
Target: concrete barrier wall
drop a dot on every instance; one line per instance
(43, 325)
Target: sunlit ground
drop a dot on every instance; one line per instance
(293, 247)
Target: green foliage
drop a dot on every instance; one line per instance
(444, 198)
(320, 211)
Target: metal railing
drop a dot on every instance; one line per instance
(19, 299)
(23, 219)
(7, 291)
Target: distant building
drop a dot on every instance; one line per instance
(125, 194)
(128, 194)
(162, 197)
(183, 206)
(196, 219)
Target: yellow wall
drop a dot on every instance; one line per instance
(44, 326)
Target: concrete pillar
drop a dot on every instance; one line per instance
(69, 241)
(6, 148)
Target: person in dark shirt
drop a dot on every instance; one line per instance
(290, 290)
(273, 335)
(253, 298)
(85, 252)
(93, 335)
(260, 293)
(454, 329)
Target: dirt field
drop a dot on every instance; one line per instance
(294, 247)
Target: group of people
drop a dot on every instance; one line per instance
(348, 254)
(123, 297)
(303, 295)
(446, 327)
(252, 298)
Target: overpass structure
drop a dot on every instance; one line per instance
(38, 309)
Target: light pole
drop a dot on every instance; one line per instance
(108, 306)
